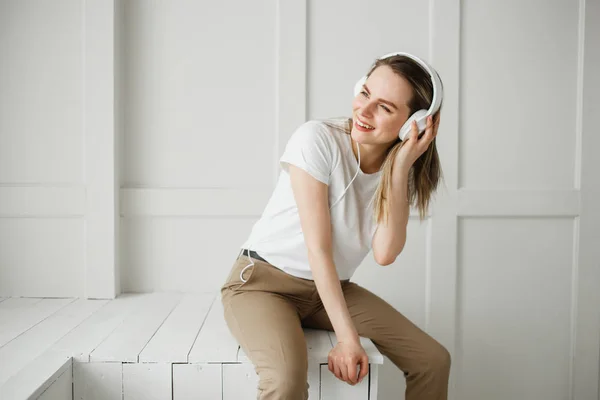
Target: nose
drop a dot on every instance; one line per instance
(367, 108)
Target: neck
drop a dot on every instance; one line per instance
(371, 156)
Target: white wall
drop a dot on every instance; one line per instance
(139, 142)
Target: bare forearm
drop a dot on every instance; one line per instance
(390, 237)
(329, 288)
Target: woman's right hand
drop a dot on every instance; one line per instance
(344, 358)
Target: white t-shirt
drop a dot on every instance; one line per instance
(326, 154)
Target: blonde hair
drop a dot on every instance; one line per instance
(426, 173)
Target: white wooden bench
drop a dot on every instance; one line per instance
(153, 346)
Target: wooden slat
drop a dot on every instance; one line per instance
(37, 376)
(197, 381)
(129, 339)
(175, 338)
(22, 350)
(240, 382)
(82, 340)
(147, 381)
(314, 379)
(17, 315)
(373, 381)
(19, 302)
(60, 389)
(332, 388)
(318, 343)
(375, 357)
(98, 381)
(214, 342)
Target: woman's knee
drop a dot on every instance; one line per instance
(441, 358)
(287, 382)
(435, 360)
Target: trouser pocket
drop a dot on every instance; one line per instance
(234, 281)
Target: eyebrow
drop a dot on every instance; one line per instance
(382, 100)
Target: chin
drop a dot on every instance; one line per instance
(361, 137)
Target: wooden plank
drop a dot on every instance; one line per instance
(318, 345)
(37, 376)
(374, 381)
(16, 354)
(98, 381)
(375, 357)
(19, 302)
(130, 338)
(175, 338)
(17, 315)
(240, 382)
(214, 342)
(60, 389)
(82, 340)
(197, 381)
(148, 381)
(332, 388)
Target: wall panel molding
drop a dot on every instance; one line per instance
(100, 150)
(519, 203)
(42, 201)
(585, 374)
(290, 107)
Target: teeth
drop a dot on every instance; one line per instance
(364, 125)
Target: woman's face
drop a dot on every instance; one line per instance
(382, 105)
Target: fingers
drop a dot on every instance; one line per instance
(364, 368)
(335, 368)
(352, 372)
(344, 372)
(429, 130)
(436, 123)
(414, 132)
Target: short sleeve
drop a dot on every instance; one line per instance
(310, 148)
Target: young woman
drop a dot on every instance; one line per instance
(345, 189)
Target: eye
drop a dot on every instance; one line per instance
(364, 93)
(385, 108)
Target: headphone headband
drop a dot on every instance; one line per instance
(435, 80)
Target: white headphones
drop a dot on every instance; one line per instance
(421, 115)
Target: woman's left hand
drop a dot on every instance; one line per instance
(414, 146)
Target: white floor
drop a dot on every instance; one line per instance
(161, 342)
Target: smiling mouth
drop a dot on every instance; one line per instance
(363, 125)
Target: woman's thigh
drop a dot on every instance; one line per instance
(267, 327)
(394, 335)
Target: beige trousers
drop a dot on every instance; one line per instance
(266, 315)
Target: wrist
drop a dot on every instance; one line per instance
(350, 337)
(400, 170)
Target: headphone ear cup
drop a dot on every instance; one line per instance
(419, 116)
(358, 86)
